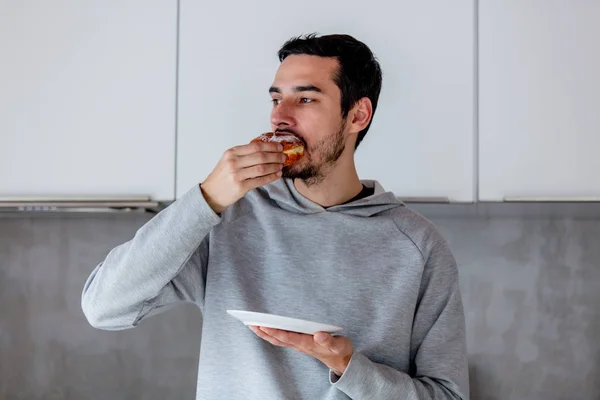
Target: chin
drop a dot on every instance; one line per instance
(306, 173)
(289, 173)
(298, 168)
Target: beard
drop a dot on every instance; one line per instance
(312, 167)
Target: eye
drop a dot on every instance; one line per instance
(275, 101)
(306, 100)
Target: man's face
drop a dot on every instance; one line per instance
(307, 103)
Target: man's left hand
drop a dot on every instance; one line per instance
(333, 351)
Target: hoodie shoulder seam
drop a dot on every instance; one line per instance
(409, 238)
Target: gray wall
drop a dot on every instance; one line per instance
(531, 288)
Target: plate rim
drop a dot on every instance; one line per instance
(337, 328)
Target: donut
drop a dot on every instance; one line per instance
(292, 146)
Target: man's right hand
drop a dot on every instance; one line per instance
(240, 170)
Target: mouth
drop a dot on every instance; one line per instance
(292, 133)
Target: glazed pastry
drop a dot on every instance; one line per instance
(292, 146)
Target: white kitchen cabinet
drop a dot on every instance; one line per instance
(87, 98)
(539, 100)
(421, 143)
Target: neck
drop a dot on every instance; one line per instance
(341, 184)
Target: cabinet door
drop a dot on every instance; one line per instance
(421, 143)
(87, 98)
(539, 100)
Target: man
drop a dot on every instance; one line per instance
(310, 241)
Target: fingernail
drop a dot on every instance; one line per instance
(279, 173)
(279, 147)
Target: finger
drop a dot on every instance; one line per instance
(332, 344)
(254, 183)
(324, 340)
(256, 147)
(266, 337)
(259, 170)
(299, 341)
(259, 158)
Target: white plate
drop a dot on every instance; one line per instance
(283, 323)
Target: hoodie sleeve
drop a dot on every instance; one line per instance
(438, 345)
(164, 263)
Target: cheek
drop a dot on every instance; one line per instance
(315, 128)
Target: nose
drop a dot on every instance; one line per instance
(282, 115)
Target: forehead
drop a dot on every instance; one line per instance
(305, 69)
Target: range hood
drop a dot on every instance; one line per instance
(79, 204)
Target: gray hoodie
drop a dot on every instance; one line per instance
(372, 266)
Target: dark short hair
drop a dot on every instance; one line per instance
(359, 73)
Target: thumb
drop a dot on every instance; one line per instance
(323, 338)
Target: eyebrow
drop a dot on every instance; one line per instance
(306, 88)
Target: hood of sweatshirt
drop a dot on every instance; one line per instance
(285, 195)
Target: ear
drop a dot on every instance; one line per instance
(361, 114)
